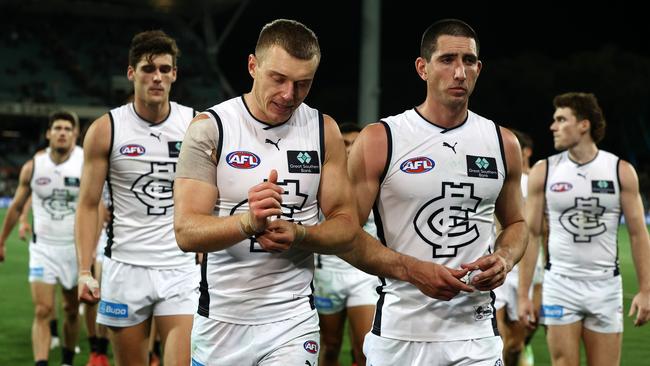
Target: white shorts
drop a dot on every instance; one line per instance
(597, 303)
(382, 351)
(294, 341)
(338, 290)
(506, 296)
(131, 294)
(53, 263)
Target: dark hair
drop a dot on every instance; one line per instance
(293, 36)
(447, 27)
(584, 106)
(152, 43)
(525, 141)
(348, 127)
(64, 115)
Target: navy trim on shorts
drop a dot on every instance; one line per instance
(312, 300)
(495, 328)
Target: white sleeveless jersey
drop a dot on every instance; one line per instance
(141, 175)
(584, 209)
(244, 284)
(436, 203)
(55, 189)
(336, 264)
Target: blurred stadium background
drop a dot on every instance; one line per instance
(73, 54)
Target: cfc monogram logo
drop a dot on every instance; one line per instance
(443, 222)
(60, 204)
(155, 189)
(581, 220)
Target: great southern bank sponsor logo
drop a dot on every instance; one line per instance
(132, 150)
(561, 187)
(243, 160)
(113, 310)
(420, 164)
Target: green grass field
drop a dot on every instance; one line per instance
(16, 309)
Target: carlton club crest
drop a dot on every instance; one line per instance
(155, 189)
(583, 219)
(444, 222)
(60, 204)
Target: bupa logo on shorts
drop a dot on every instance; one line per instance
(418, 165)
(42, 181)
(196, 363)
(311, 347)
(552, 311)
(561, 187)
(113, 310)
(303, 161)
(243, 160)
(481, 167)
(602, 186)
(36, 272)
(323, 303)
(132, 150)
(174, 148)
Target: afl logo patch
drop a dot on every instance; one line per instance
(311, 347)
(132, 150)
(243, 160)
(421, 164)
(43, 181)
(561, 187)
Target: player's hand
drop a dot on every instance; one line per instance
(640, 306)
(437, 281)
(24, 230)
(526, 312)
(88, 288)
(264, 200)
(278, 236)
(2, 252)
(494, 269)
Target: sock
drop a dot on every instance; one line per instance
(92, 341)
(102, 346)
(54, 329)
(41, 363)
(68, 355)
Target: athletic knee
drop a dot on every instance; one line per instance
(71, 311)
(330, 348)
(43, 311)
(513, 345)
